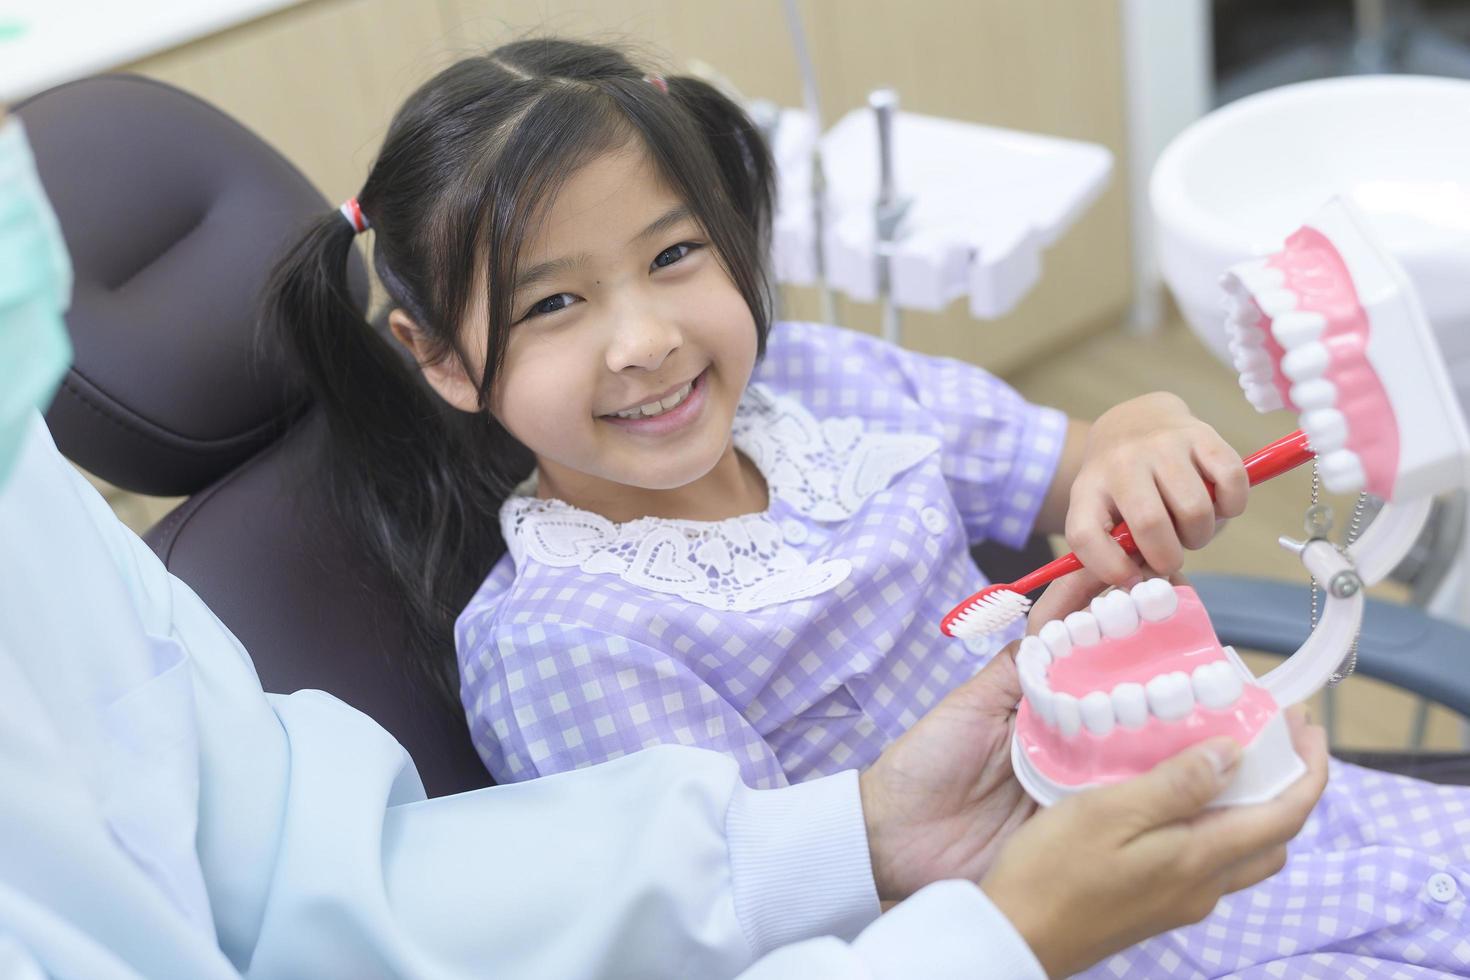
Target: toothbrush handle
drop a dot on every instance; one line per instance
(1281, 456)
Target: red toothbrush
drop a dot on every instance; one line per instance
(1001, 604)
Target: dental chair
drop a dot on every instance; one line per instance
(174, 214)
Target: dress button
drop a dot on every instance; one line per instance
(793, 530)
(933, 520)
(1442, 887)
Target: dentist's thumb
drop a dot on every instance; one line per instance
(1177, 788)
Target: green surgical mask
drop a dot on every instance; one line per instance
(35, 289)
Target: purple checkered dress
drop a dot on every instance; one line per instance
(802, 640)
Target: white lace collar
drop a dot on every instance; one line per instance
(823, 469)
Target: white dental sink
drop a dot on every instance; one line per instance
(1236, 182)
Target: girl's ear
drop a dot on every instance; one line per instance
(446, 375)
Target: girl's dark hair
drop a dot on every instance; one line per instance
(471, 162)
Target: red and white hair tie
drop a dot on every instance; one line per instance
(352, 211)
(658, 82)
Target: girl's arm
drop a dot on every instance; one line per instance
(1149, 462)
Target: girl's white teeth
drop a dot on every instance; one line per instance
(1116, 614)
(1083, 629)
(1156, 599)
(1294, 329)
(1326, 430)
(1306, 362)
(1316, 393)
(1342, 471)
(658, 407)
(1217, 685)
(1096, 709)
(1130, 704)
(1058, 641)
(1170, 696)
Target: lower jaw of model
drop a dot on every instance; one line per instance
(1111, 691)
(1330, 328)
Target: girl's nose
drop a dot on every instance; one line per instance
(642, 342)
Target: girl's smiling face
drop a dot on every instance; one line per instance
(631, 346)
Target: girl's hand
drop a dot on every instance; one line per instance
(1146, 462)
(1107, 868)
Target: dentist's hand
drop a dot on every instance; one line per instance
(942, 799)
(1146, 462)
(1108, 868)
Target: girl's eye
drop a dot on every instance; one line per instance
(551, 304)
(674, 253)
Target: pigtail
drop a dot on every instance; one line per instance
(399, 467)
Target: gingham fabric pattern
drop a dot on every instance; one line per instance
(562, 667)
(1376, 887)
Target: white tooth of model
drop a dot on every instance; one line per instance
(1326, 430)
(1069, 715)
(1130, 705)
(1297, 328)
(1082, 627)
(1054, 634)
(1212, 687)
(1034, 654)
(1317, 393)
(1116, 615)
(1097, 712)
(1264, 398)
(1342, 471)
(1306, 362)
(1033, 684)
(1156, 599)
(1170, 696)
(1254, 361)
(1276, 302)
(1261, 278)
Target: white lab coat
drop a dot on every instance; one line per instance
(160, 816)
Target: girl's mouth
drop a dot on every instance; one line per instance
(672, 412)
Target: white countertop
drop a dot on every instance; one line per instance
(47, 42)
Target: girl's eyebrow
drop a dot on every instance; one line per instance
(556, 267)
(675, 215)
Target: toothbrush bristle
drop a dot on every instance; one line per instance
(991, 612)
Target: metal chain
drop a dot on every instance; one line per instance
(1318, 523)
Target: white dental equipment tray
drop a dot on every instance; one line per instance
(984, 203)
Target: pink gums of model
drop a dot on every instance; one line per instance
(1300, 339)
(1100, 708)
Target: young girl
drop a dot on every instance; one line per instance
(700, 527)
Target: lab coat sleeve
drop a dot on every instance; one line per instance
(314, 846)
(320, 856)
(949, 929)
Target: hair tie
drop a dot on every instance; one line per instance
(352, 211)
(657, 81)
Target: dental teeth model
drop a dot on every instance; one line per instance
(1111, 691)
(1330, 327)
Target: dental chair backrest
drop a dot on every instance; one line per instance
(173, 214)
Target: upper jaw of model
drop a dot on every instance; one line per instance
(1331, 327)
(1115, 689)
(1299, 338)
